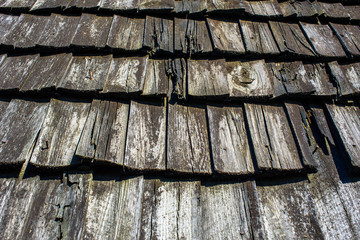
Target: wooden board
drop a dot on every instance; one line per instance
(48, 4)
(17, 4)
(344, 84)
(6, 187)
(4, 103)
(316, 74)
(59, 32)
(177, 70)
(126, 33)
(354, 12)
(92, 31)
(146, 136)
(318, 113)
(226, 36)
(159, 34)
(155, 5)
(332, 10)
(324, 42)
(349, 36)
(233, 6)
(84, 4)
(249, 79)
(268, 8)
(46, 73)
(207, 78)
(86, 73)
(299, 8)
(156, 81)
(229, 140)
(7, 22)
(60, 134)
(290, 39)
(119, 5)
(187, 141)
(19, 127)
(258, 38)
(272, 138)
(14, 70)
(125, 75)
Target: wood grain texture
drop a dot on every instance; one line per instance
(249, 79)
(146, 136)
(349, 36)
(226, 6)
(60, 134)
(4, 103)
(159, 34)
(345, 77)
(332, 10)
(300, 9)
(119, 5)
(6, 23)
(176, 69)
(84, 4)
(156, 82)
(48, 4)
(155, 5)
(187, 141)
(317, 75)
(354, 12)
(17, 4)
(318, 113)
(268, 8)
(229, 140)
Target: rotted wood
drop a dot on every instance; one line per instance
(354, 12)
(126, 33)
(92, 31)
(125, 75)
(188, 148)
(207, 78)
(290, 39)
(156, 81)
(17, 4)
(26, 33)
(14, 70)
(226, 36)
(46, 73)
(229, 141)
(258, 38)
(46, 4)
(84, 4)
(272, 138)
(332, 10)
(268, 8)
(349, 36)
(176, 69)
(249, 79)
(86, 74)
(146, 136)
(159, 34)
(323, 40)
(347, 122)
(346, 78)
(60, 134)
(155, 5)
(318, 113)
(316, 74)
(119, 5)
(299, 8)
(59, 32)
(233, 6)
(7, 22)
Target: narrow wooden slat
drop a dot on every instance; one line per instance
(268, 8)
(6, 189)
(229, 140)
(159, 34)
(155, 5)
(332, 10)
(349, 36)
(148, 203)
(4, 103)
(177, 69)
(223, 6)
(156, 82)
(119, 5)
(7, 22)
(84, 4)
(346, 78)
(321, 121)
(17, 4)
(48, 4)
(299, 8)
(187, 140)
(145, 142)
(316, 74)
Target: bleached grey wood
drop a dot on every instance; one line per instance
(177, 69)
(317, 75)
(344, 83)
(119, 5)
(6, 188)
(155, 5)
(159, 34)
(84, 4)
(148, 203)
(48, 4)
(4, 103)
(7, 22)
(268, 8)
(24, 4)
(349, 36)
(146, 135)
(353, 11)
(226, 6)
(332, 10)
(321, 121)
(229, 140)
(156, 81)
(299, 8)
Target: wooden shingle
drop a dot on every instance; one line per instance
(346, 77)
(156, 82)
(6, 23)
(332, 10)
(155, 5)
(316, 74)
(83, 4)
(266, 8)
(159, 34)
(17, 4)
(349, 36)
(233, 6)
(119, 5)
(43, 5)
(299, 8)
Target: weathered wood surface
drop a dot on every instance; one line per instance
(318, 113)
(19, 127)
(92, 31)
(316, 74)
(156, 82)
(332, 10)
(4, 103)
(60, 134)
(13, 71)
(59, 31)
(155, 5)
(176, 69)
(207, 78)
(272, 138)
(347, 122)
(125, 75)
(268, 8)
(229, 140)
(6, 23)
(258, 38)
(323, 40)
(6, 187)
(119, 5)
(46, 72)
(235, 6)
(346, 78)
(298, 8)
(126, 33)
(349, 36)
(146, 136)
(249, 79)
(83, 4)
(159, 34)
(22, 4)
(86, 73)
(290, 39)
(188, 148)
(354, 12)
(226, 36)
(48, 4)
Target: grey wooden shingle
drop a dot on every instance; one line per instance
(119, 5)
(155, 5)
(156, 81)
(6, 23)
(267, 8)
(159, 34)
(233, 6)
(299, 8)
(17, 4)
(83, 4)
(332, 10)
(316, 74)
(346, 77)
(354, 12)
(48, 4)
(349, 36)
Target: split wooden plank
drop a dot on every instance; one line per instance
(267, 8)
(46, 73)
(86, 74)
(156, 81)
(272, 138)
(48, 4)
(146, 136)
(17, 4)
(226, 36)
(126, 33)
(316, 74)
(318, 113)
(207, 78)
(119, 5)
(354, 12)
(349, 36)
(60, 134)
(7, 22)
(323, 40)
(346, 77)
(159, 34)
(229, 140)
(177, 70)
(290, 39)
(249, 79)
(258, 38)
(232, 220)
(114, 210)
(59, 31)
(125, 75)
(155, 5)
(188, 148)
(332, 10)
(233, 6)
(27, 32)
(92, 31)
(299, 8)
(347, 122)
(19, 128)
(14, 70)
